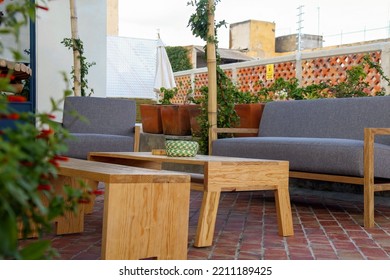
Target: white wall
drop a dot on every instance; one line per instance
(53, 58)
(8, 40)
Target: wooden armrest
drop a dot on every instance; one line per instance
(236, 130)
(369, 134)
(378, 131)
(137, 135)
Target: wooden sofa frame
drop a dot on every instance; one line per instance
(368, 180)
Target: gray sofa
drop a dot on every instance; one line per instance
(324, 139)
(110, 125)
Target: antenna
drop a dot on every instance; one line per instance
(318, 21)
(298, 72)
(299, 29)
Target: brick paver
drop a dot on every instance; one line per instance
(325, 228)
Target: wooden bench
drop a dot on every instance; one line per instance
(146, 212)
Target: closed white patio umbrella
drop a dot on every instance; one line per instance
(164, 74)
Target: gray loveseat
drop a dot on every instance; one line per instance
(110, 125)
(324, 139)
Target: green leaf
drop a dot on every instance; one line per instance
(8, 235)
(36, 250)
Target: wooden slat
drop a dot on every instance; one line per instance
(114, 173)
(236, 130)
(137, 135)
(379, 130)
(327, 177)
(382, 187)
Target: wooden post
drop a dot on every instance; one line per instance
(212, 74)
(76, 53)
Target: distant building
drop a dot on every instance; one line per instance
(256, 38)
(289, 43)
(198, 58)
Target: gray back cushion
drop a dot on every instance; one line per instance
(105, 115)
(326, 118)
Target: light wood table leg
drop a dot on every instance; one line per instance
(207, 218)
(70, 222)
(93, 185)
(283, 211)
(146, 221)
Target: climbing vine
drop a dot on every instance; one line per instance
(84, 65)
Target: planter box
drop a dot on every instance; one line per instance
(250, 116)
(194, 111)
(151, 118)
(175, 119)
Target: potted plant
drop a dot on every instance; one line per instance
(151, 118)
(235, 109)
(151, 113)
(249, 110)
(175, 117)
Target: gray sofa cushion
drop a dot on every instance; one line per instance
(104, 115)
(83, 143)
(343, 118)
(319, 136)
(318, 155)
(109, 126)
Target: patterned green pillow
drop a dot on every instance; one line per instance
(180, 148)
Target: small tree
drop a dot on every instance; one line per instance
(178, 56)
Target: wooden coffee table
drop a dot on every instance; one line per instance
(220, 174)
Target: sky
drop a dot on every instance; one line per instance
(330, 18)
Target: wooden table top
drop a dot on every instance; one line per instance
(107, 172)
(196, 160)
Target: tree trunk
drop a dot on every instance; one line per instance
(212, 74)
(76, 53)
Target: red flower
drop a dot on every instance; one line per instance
(45, 176)
(83, 200)
(16, 98)
(26, 163)
(42, 7)
(11, 116)
(45, 133)
(97, 192)
(58, 157)
(54, 162)
(44, 188)
(8, 76)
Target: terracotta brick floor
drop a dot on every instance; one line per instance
(327, 226)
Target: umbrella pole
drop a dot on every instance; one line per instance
(212, 75)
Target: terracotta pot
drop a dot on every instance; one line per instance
(175, 119)
(151, 118)
(194, 110)
(250, 116)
